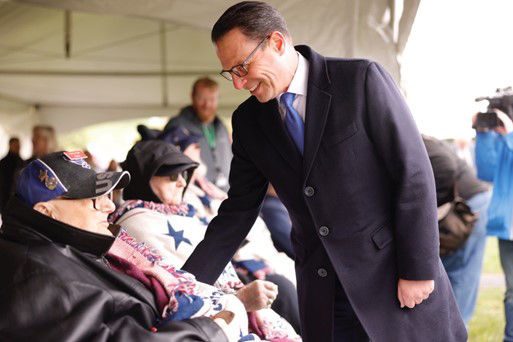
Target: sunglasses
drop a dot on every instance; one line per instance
(174, 177)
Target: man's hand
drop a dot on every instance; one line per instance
(258, 294)
(413, 292)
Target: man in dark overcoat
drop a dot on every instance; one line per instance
(337, 141)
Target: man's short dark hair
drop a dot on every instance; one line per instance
(204, 82)
(13, 140)
(254, 18)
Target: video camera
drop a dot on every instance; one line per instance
(502, 100)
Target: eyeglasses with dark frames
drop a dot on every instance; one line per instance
(102, 201)
(240, 70)
(99, 202)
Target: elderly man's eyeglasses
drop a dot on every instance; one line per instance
(240, 70)
(102, 201)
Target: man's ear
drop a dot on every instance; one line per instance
(45, 208)
(278, 42)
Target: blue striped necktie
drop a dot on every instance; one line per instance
(293, 121)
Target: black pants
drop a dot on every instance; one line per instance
(346, 325)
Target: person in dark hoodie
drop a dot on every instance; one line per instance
(190, 145)
(58, 281)
(252, 261)
(206, 204)
(155, 214)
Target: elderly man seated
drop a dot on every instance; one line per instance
(58, 281)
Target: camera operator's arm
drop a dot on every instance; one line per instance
(507, 126)
(485, 151)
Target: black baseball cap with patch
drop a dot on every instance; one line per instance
(68, 175)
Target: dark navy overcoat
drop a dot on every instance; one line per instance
(361, 200)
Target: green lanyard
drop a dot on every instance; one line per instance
(209, 132)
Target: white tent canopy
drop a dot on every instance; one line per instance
(72, 63)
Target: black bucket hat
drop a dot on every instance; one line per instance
(154, 158)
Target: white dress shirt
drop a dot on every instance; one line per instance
(298, 86)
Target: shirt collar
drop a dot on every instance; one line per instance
(299, 82)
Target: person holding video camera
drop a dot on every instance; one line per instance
(494, 162)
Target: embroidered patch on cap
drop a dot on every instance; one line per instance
(49, 181)
(78, 158)
(75, 155)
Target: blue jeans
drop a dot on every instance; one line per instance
(464, 266)
(506, 255)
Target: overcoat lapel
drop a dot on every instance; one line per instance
(318, 102)
(274, 128)
(317, 108)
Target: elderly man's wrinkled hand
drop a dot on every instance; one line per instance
(258, 294)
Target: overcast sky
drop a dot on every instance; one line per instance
(458, 50)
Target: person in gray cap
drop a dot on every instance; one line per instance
(58, 282)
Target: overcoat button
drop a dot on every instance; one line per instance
(322, 272)
(309, 191)
(324, 231)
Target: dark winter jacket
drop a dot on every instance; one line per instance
(56, 286)
(452, 174)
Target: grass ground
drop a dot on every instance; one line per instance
(491, 262)
(487, 325)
